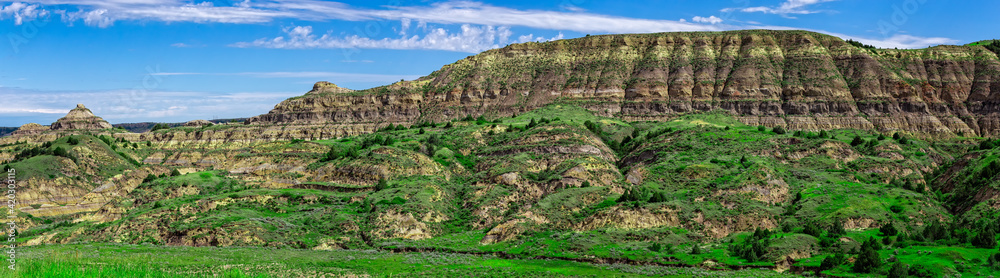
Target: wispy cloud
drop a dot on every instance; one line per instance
(106, 13)
(786, 8)
(470, 39)
(900, 41)
(353, 77)
(118, 106)
(896, 41)
(484, 14)
(483, 26)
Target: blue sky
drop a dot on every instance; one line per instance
(176, 60)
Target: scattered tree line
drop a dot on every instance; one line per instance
(861, 45)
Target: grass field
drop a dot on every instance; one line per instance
(111, 260)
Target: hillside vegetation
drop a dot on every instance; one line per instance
(700, 190)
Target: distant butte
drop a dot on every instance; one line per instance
(80, 118)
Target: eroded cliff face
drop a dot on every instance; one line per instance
(801, 80)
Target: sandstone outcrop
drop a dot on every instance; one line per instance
(198, 123)
(80, 118)
(30, 129)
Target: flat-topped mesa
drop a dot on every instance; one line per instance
(797, 79)
(80, 118)
(30, 129)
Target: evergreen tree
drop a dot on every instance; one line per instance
(898, 270)
(994, 261)
(888, 230)
(382, 184)
(985, 238)
(754, 247)
(823, 134)
(868, 260)
(836, 228)
(857, 140)
(695, 249)
(174, 173)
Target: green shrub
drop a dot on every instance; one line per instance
(655, 247)
(754, 247)
(888, 230)
(832, 261)
(813, 230)
(778, 130)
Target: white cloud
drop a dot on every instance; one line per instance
(485, 14)
(572, 8)
(470, 39)
(22, 110)
(106, 13)
(405, 25)
(128, 106)
(532, 38)
(901, 41)
(22, 12)
(785, 9)
(709, 20)
(353, 77)
(896, 41)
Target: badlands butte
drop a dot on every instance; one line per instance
(637, 148)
